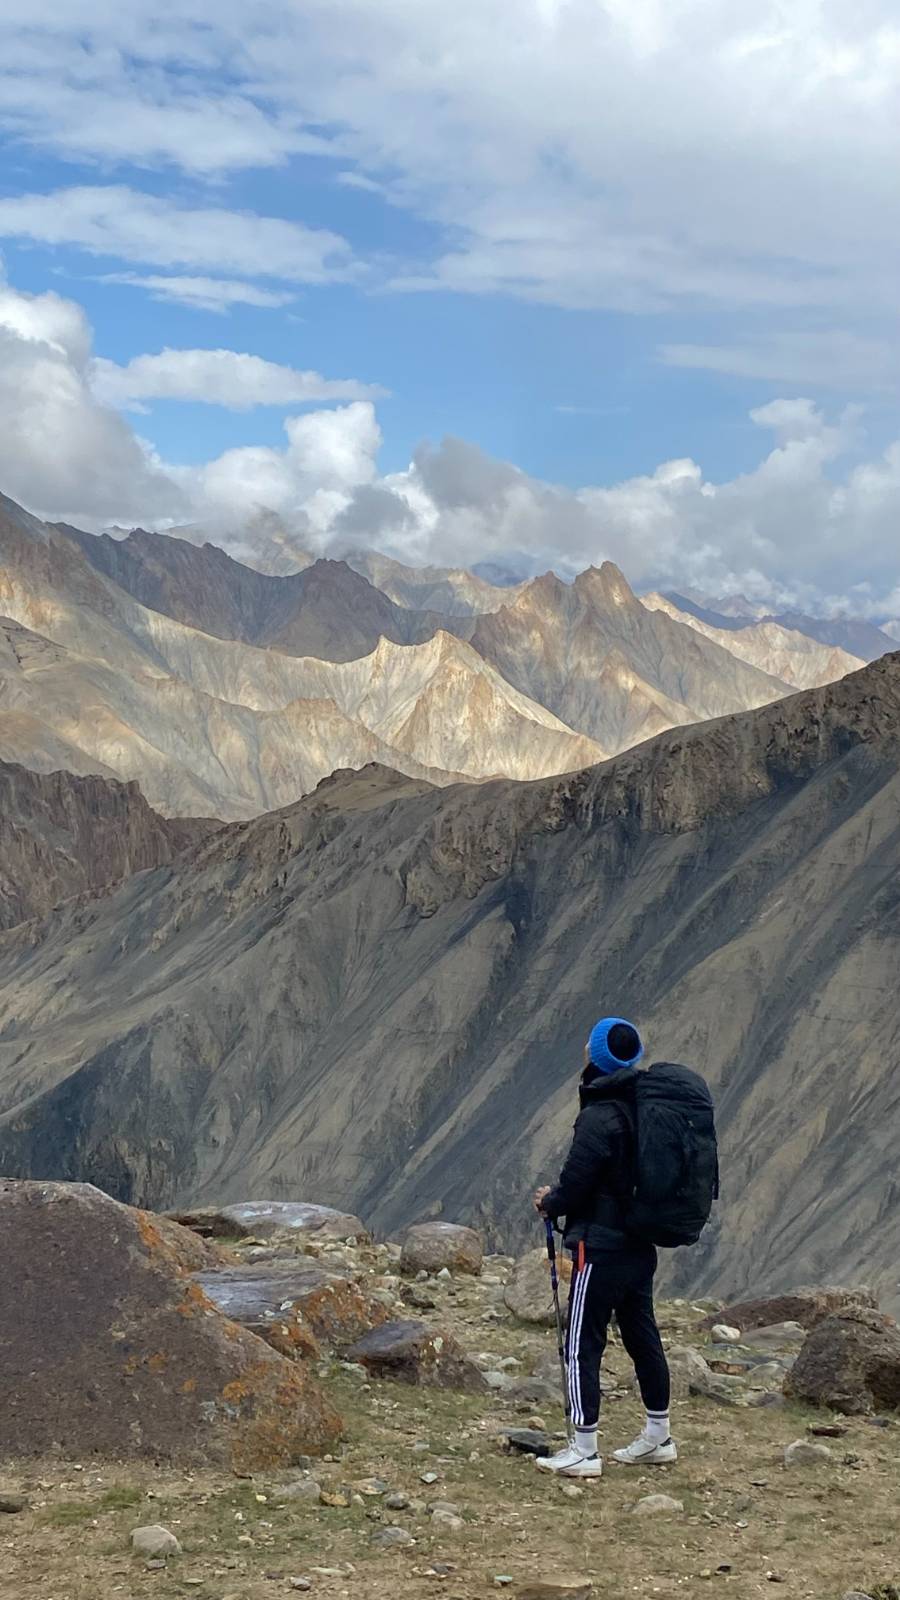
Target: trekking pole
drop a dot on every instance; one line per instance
(560, 1327)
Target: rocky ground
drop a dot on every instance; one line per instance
(426, 1494)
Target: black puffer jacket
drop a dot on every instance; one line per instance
(598, 1175)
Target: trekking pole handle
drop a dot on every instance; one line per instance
(551, 1251)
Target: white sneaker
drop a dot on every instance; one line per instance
(570, 1463)
(644, 1453)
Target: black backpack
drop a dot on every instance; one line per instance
(676, 1168)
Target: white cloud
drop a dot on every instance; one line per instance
(61, 450)
(203, 294)
(836, 359)
(631, 155)
(328, 455)
(117, 221)
(802, 527)
(219, 377)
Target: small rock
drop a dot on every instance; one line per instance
(392, 1538)
(429, 1477)
(533, 1392)
(442, 1248)
(856, 1594)
(413, 1353)
(723, 1334)
(301, 1584)
(766, 1372)
(657, 1505)
(498, 1381)
(555, 1589)
(371, 1487)
(777, 1333)
(339, 1499)
(503, 1580)
(529, 1442)
(827, 1430)
(772, 1398)
(397, 1501)
(447, 1522)
(775, 1577)
(305, 1491)
(13, 1503)
(444, 1505)
(528, 1294)
(802, 1453)
(154, 1542)
(571, 1491)
(412, 1294)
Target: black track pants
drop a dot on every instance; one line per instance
(619, 1281)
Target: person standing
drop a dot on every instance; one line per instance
(613, 1269)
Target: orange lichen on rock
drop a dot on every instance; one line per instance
(177, 1380)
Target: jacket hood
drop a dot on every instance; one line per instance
(609, 1086)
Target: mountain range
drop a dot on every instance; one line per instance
(377, 996)
(227, 691)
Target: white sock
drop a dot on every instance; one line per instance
(657, 1427)
(586, 1442)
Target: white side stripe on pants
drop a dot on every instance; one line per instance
(576, 1318)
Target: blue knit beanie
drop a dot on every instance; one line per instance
(598, 1046)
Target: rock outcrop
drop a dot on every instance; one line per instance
(111, 1348)
(297, 1306)
(849, 1363)
(284, 1221)
(411, 1352)
(439, 1246)
(62, 835)
(806, 1307)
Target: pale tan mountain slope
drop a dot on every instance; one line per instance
(328, 610)
(192, 752)
(608, 666)
(152, 699)
(379, 996)
(62, 835)
(784, 653)
(450, 590)
(859, 638)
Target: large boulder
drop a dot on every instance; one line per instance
(284, 1220)
(295, 1305)
(528, 1294)
(806, 1306)
(850, 1364)
(431, 1246)
(411, 1352)
(111, 1348)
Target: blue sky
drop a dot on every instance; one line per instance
(588, 238)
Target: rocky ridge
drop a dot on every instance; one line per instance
(62, 835)
(420, 953)
(785, 653)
